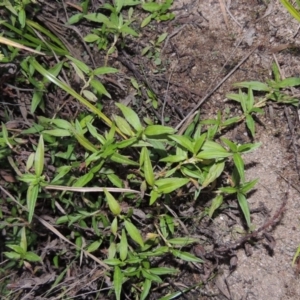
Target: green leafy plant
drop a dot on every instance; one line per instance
(291, 9)
(159, 11)
(153, 50)
(35, 181)
(19, 252)
(274, 89)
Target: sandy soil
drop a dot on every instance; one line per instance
(198, 54)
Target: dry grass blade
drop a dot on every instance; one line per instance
(89, 189)
(8, 42)
(223, 9)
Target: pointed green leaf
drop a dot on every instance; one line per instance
(123, 246)
(23, 242)
(244, 207)
(123, 125)
(183, 141)
(199, 143)
(154, 196)
(114, 226)
(248, 186)
(239, 164)
(30, 256)
(216, 203)
(39, 157)
(250, 124)
(31, 197)
(153, 130)
(130, 116)
(186, 256)
(148, 170)
(113, 204)
(145, 289)
(168, 185)
(214, 172)
(118, 281)
(134, 233)
(118, 158)
(254, 85)
(182, 241)
(232, 146)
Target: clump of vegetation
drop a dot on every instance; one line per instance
(105, 187)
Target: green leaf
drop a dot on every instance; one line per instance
(91, 38)
(31, 197)
(105, 70)
(36, 100)
(97, 17)
(212, 150)
(228, 190)
(214, 172)
(118, 281)
(254, 85)
(154, 196)
(232, 146)
(153, 130)
(12, 255)
(118, 158)
(183, 141)
(151, 277)
(123, 125)
(30, 256)
(39, 157)
(186, 256)
(113, 261)
(134, 233)
(289, 82)
(131, 117)
(250, 100)
(199, 143)
(295, 13)
(58, 132)
(23, 242)
(182, 241)
(99, 87)
(250, 124)
(129, 30)
(123, 246)
(245, 148)
(148, 169)
(216, 203)
(151, 6)
(89, 95)
(145, 289)
(114, 226)
(168, 185)
(244, 207)
(163, 271)
(75, 18)
(83, 180)
(80, 64)
(94, 246)
(239, 164)
(162, 37)
(18, 249)
(146, 21)
(113, 204)
(174, 158)
(246, 187)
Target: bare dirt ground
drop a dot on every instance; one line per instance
(201, 52)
